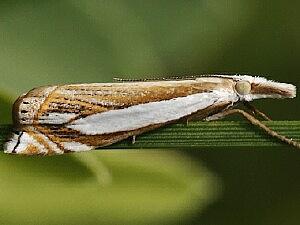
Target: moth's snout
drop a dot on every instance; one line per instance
(249, 88)
(272, 89)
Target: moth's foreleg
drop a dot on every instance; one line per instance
(257, 123)
(255, 111)
(216, 116)
(252, 109)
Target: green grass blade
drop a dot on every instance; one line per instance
(203, 134)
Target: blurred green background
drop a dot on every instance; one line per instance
(52, 42)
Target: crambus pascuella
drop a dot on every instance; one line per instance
(80, 117)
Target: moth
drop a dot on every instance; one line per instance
(80, 117)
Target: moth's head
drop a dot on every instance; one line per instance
(249, 88)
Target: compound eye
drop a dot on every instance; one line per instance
(243, 87)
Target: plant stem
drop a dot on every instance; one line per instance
(203, 134)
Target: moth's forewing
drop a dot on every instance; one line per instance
(84, 116)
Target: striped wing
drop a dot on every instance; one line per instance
(84, 116)
(63, 104)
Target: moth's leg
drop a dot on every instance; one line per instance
(257, 123)
(216, 116)
(133, 139)
(255, 111)
(187, 121)
(252, 109)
